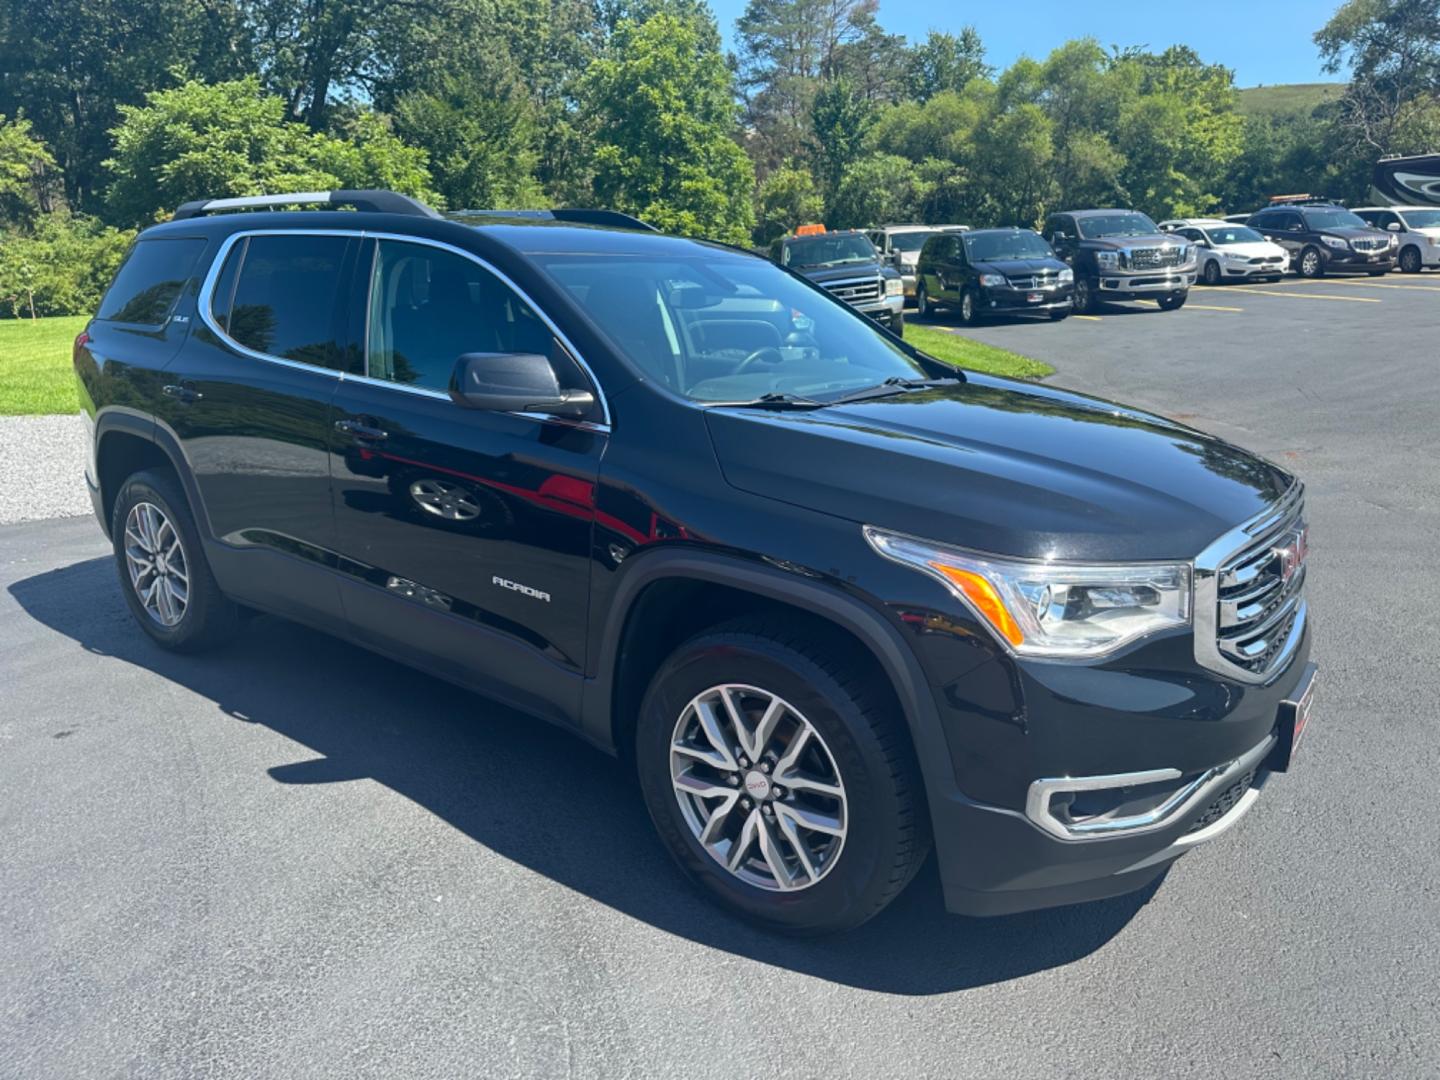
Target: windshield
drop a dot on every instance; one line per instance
(1128, 223)
(1334, 219)
(1421, 219)
(910, 241)
(831, 250)
(1233, 234)
(1020, 244)
(719, 327)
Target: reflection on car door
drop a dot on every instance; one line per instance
(466, 532)
(249, 402)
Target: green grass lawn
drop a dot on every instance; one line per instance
(35, 372)
(977, 356)
(36, 378)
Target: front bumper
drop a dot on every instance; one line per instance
(1182, 742)
(1240, 271)
(1146, 284)
(1358, 260)
(1002, 299)
(882, 310)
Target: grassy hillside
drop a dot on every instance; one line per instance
(1289, 99)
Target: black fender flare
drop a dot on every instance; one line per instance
(897, 660)
(120, 420)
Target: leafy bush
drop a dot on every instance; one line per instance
(61, 268)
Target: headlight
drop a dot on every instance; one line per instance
(992, 281)
(1067, 275)
(1052, 609)
(1107, 260)
(1183, 253)
(1235, 257)
(1335, 242)
(894, 286)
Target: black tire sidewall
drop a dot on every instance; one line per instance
(973, 310)
(922, 301)
(1211, 274)
(1084, 299)
(1319, 263)
(851, 891)
(1410, 261)
(206, 616)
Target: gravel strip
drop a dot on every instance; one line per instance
(42, 468)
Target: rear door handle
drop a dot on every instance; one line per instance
(361, 431)
(182, 392)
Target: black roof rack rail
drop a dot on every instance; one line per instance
(576, 215)
(375, 201)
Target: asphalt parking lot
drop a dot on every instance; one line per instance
(296, 859)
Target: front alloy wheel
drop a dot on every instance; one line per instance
(968, 307)
(1311, 264)
(1211, 274)
(1410, 260)
(922, 301)
(758, 787)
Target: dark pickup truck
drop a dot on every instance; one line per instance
(833, 601)
(848, 266)
(1122, 255)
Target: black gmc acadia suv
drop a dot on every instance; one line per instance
(834, 599)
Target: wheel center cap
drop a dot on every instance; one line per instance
(757, 784)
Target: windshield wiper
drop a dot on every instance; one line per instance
(894, 385)
(770, 401)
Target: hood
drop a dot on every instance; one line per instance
(1003, 467)
(821, 274)
(1122, 243)
(1017, 267)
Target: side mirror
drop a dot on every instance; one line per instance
(515, 382)
(1395, 226)
(896, 259)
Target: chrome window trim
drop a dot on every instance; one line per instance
(1204, 582)
(1041, 792)
(205, 299)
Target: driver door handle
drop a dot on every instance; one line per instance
(361, 431)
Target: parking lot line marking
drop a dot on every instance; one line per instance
(1089, 318)
(1212, 307)
(1378, 284)
(1305, 296)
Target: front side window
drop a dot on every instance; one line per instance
(1126, 223)
(909, 241)
(150, 281)
(721, 327)
(282, 296)
(428, 307)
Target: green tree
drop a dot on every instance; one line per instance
(60, 268)
(664, 119)
(25, 166)
(839, 118)
(877, 188)
(786, 200)
(1392, 51)
(945, 62)
(228, 139)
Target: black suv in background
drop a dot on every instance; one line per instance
(847, 265)
(1325, 237)
(992, 272)
(833, 599)
(1122, 255)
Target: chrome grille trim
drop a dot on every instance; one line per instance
(1151, 258)
(1047, 280)
(854, 290)
(1366, 243)
(1249, 616)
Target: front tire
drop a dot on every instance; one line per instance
(897, 324)
(779, 777)
(1312, 263)
(1211, 274)
(969, 308)
(164, 576)
(1410, 262)
(1084, 295)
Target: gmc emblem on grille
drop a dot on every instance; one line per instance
(1292, 551)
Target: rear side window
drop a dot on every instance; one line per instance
(150, 281)
(282, 296)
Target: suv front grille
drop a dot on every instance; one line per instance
(1370, 243)
(1258, 589)
(1045, 280)
(854, 290)
(1152, 258)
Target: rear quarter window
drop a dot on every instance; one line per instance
(151, 280)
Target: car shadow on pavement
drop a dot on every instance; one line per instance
(514, 785)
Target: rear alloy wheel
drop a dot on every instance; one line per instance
(1211, 274)
(1311, 264)
(1410, 260)
(167, 583)
(780, 775)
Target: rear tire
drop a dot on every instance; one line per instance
(164, 576)
(857, 746)
(922, 301)
(969, 308)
